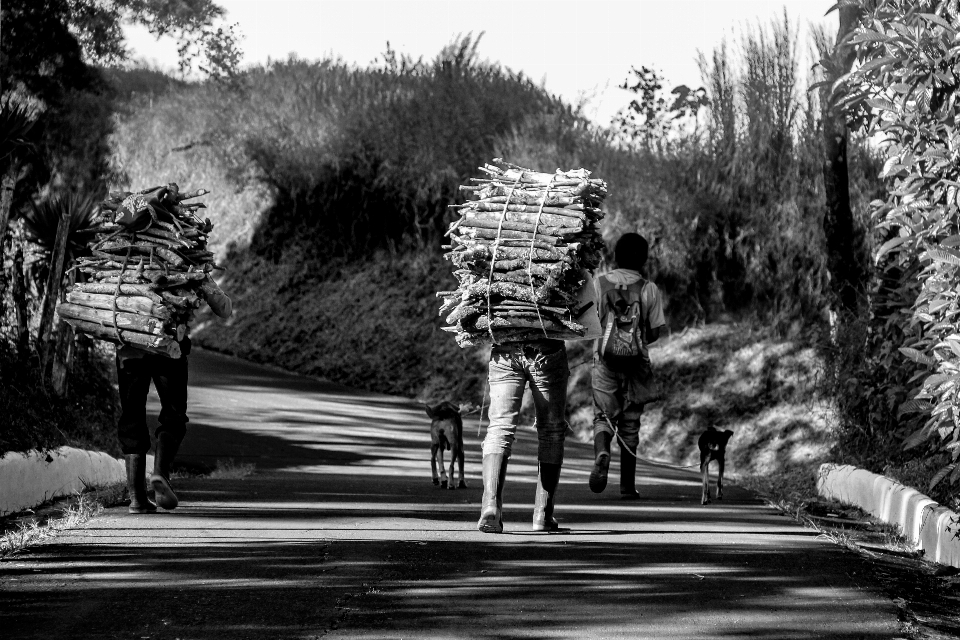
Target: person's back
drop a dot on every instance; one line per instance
(631, 314)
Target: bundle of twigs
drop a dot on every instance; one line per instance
(521, 249)
(147, 271)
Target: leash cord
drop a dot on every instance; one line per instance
(624, 447)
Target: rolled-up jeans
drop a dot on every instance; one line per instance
(544, 367)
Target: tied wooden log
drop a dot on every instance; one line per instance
(124, 320)
(530, 198)
(517, 253)
(143, 248)
(528, 218)
(504, 242)
(182, 302)
(525, 208)
(475, 339)
(146, 290)
(509, 290)
(491, 234)
(133, 304)
(467, 221)
(163, 345)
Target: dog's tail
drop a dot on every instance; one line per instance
(443, 440)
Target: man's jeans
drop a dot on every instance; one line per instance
(512, 366)
(169, 376)
(615, 397)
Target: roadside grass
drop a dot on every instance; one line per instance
(46, 521)
(227, 469)
(230, 470)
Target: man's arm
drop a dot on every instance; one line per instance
(219, 302)
(653, 334)
(654, 319)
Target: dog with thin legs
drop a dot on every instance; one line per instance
(446, 434)
(713, 446)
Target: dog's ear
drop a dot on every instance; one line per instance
(727, 434)
(431, 411)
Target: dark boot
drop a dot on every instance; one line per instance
(601, 451)
(549, 478)
(137, 484)
(491, 505)
(628, 474)
(160, 480)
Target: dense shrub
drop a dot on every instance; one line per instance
(34, 418)
(906, 89)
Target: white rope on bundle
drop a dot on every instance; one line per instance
(493, 258)
(533, 242)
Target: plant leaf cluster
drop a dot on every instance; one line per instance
(906, 91)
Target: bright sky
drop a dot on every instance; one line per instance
(576, 48)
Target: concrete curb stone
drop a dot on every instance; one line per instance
(30, 479)
(926, 524)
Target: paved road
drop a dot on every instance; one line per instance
(340, 534)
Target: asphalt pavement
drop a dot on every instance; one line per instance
(340, 533)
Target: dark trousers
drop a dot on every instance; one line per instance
(169, 377)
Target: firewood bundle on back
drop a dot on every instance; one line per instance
(147, 272)
(521, 249)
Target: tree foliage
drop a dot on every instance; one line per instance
(906, 90)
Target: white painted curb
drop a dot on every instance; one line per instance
(927, 525)
(30, 479)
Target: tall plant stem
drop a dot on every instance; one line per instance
(843, 259)
(52, 293)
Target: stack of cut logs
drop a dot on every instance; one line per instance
(141, 287)
(521, 249)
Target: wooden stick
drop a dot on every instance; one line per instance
(145, 290)
(181, 301)
(506, 234)
(518, 226)
(163, 345)
(124, 320)
(547, 219)
(133, 304)
(524, 208)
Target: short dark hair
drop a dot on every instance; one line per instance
(631, 251)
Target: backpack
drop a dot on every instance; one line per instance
(621, 346)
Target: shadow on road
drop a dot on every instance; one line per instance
(340, 533)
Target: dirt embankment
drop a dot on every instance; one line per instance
(729, 376)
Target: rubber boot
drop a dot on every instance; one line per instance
(137, 484)
(628, 474)
(160, 480)
(491, 505)
(601, 451)
(549, 478)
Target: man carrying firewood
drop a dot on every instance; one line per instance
(542, 364)
(631, 315)
(136, 368)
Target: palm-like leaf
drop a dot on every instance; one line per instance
(41, 221)
(15, 128)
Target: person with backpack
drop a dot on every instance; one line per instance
(631, 315)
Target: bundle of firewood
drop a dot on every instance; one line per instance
(522, 249)
(147, 272)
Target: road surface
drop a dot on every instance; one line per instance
(340, 533)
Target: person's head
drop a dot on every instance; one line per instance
(631, 251)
